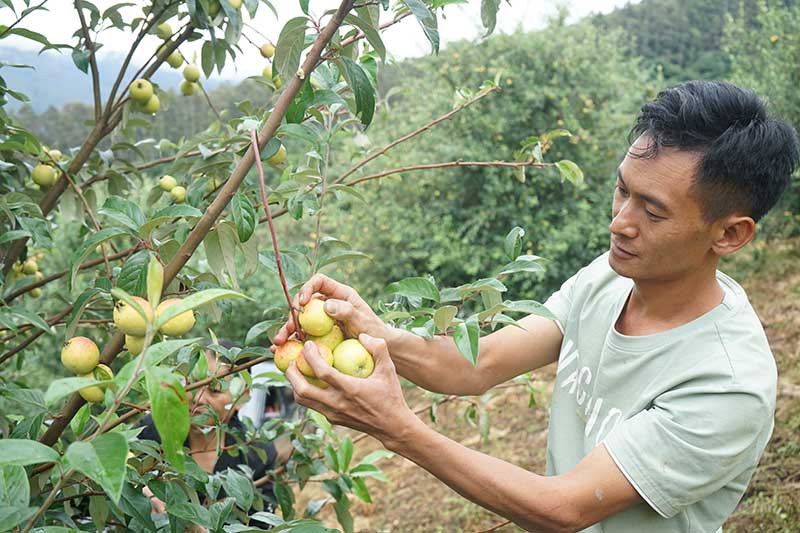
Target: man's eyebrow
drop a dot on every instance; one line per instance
(650, 199)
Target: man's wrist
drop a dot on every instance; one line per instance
(394, 338)
(404, 433)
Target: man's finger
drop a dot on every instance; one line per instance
(321, 368)
(380, 352)
(303, 390)
(339, 309)
(324, 285)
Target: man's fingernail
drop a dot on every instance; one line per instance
(309, 344)
(330, 306)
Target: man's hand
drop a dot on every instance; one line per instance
(342, 303)
(373, 405)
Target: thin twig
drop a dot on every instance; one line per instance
(92, 63)
(449, 164)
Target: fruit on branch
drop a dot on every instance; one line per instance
(141, 90)
(235, 4)
(129, 321)
(332, 339)
(178, 194)
(305, 368)
(267, 73)
(175, 59)
(277, 159)
(38, 276)
(167, 182)
(213, 8)
(164, 31)
(212, 185)
(187, 88)
(313, 318)
(286, 353)
(55, 155)
(267, 50)
(95, 393)
(35, 292)
(179, 325)
(134, 344)
(191, 73)
(43, 175)
(30, 267)
(80, 355)
(351, 358)
(152, 105)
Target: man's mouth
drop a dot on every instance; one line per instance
(620, 251)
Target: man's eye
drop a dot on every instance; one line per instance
(622, 191)
(652, 215)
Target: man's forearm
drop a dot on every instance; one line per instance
(434, 364)
(535, 502)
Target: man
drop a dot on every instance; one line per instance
(665, 388)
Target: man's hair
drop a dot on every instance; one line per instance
(746, 157)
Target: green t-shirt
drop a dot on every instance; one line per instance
(685, 413)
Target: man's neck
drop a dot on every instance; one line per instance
(659, 305)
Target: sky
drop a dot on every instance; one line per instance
(403, 40)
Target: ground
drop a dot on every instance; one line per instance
(413, 500)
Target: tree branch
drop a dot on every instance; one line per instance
(92, 62)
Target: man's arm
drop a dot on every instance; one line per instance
(590, 492)
(436, 364)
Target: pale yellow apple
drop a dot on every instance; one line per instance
(80, 355)
(332, 339)
(179, 325)
(351, 358)
(305, 368)
(95, 393)
(286, 353)
(128, 320)
(313, 318)
(134, 344)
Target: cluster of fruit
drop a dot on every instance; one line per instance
(348, 356)
(81, 356)
(29, 268)
(44, 174)
(134, 326)
(267, 51)
(170, 185)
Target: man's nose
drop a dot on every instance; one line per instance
(623, 222)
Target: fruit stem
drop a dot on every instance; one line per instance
(257, 157)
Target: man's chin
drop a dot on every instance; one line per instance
(619, 267)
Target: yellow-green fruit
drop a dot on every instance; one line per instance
(178, 194)
(164, 30)
(314, 320)
(152, 105)
(212, 185)
(134, 344)
(167, 182)
(35, 292)
(191, 73)
(317, 382)
(315, 84)
(267, 50)
(332, 339)
(180, 325)
(30, 267)
(141, 90)
(267, 73)
(95, 393)
(55, 155)
(351, 358)
(213, 8)
(286, 353)
(175, 59)
(128, 320)
(305, 368)
(43, 175)
(278, 157)
(187, 88)
(80, 355)
(235, 4)
(38, 276)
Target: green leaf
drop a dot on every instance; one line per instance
(360, 490)
(368, 471)
(167, 214)
(345, 453)
(300, 131)
(414, 288)
(102, 460)
(489, 10)
(466, 336)
(123, 211)
(33, 318)
(530, 307)
(444, 316)
(513, 242)
(194, 513)
(88, 247)
(132, 277)
(194, 301)
(374, 456)
(362, 88)
(523, 263)
(570, 172)
(65, 386)
(244, 216)
(289, 47)
(25, 452)
(297, 109)
(426, 19)
(15, 490)
(340, 255)
(170, 409)
(80, 304)
(370, 32)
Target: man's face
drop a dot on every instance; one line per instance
(657, 227)
(215, 395)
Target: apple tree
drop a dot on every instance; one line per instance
(138, 246)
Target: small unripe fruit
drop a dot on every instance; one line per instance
(305, 368)
(213, 8)
(267, 73)
(141, 90)
(267, 50)
(43, 175)
(351, 358)
(134, 344)
(212, 185)
(175, 59)
(152, 105)
(35, 292)
(187, 88)
(191, 73)
(96, 393)
(128, 320)
(332, 339)
(235, 4)
(167, 182)
(278, 157)
(179, 325)
(38, 276)
(178, 194)
(286, 353)
(313, 318)
(55, 155)
(164, 31)
(80, 355)
(30, 267)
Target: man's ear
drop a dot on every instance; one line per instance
(733, 233)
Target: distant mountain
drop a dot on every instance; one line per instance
(55, 80)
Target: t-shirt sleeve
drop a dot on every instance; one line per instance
(560, 302)
(689, 444)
